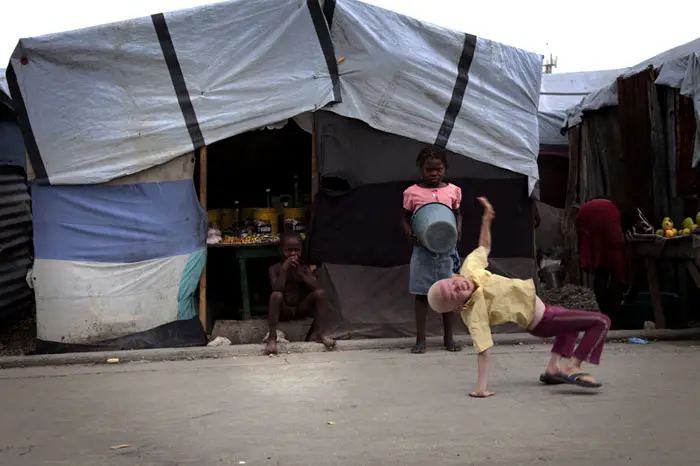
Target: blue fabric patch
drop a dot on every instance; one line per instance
(188, 284)
(122, 223)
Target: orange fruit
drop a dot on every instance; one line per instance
(668, 233)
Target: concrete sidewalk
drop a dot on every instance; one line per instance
(174, 354)
(356, 408)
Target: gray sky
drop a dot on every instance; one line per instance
(590, 35)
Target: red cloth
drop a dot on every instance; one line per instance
(601, 241)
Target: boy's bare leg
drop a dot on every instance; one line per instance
(421, 309)
(448, 333)
(317, 305)
(273, 315)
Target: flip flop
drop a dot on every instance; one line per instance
(453, 347)
(576, 379)
(550, 379)
(418, 349)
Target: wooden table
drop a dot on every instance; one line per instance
(652, 249)
(243, 253)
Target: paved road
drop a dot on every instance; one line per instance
(355, 408)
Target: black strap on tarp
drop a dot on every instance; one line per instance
(183, 95)
(322, 26)
(455, 105)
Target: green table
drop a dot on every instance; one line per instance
(243, 253)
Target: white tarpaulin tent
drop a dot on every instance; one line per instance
(678, 68)
(110, 112)
(561, 91)
(113, 100)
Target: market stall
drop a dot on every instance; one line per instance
(251, 200)
(652, 252)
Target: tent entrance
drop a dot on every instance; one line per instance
(233, 178)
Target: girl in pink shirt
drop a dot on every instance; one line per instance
(427, 267)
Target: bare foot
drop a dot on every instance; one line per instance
(481, 394)
(271, 347)
(329, 343)
(554, 370)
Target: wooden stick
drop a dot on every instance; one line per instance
(314, 166)
(655, 292)
(693, 269)
(203, 200)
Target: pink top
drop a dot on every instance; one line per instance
(415, 196)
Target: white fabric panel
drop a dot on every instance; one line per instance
(498, 120)
(398, 75)
(249, 64)
(100, 101)
(84, 302)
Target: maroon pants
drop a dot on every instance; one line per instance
(565, 325)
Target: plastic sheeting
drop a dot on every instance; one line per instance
(384, 307)
(117, 264)
(144, 91)
(678, 68)
(122, 223)
(400, 77)
(561, 91)
(5, 98)
(84, 302)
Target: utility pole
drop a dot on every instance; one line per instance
(549, 65)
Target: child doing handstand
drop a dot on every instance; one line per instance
(427, 267)
(295, 294)
(485, 299)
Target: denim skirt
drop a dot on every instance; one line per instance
(427, 268)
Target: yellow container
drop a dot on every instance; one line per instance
(228, 218)
(214, 217)
(248, 214)
(266, 221)
(295, 219)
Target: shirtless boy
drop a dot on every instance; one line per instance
(295, 294)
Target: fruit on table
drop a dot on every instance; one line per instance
(675, 231)
(667, 224)
(697, 218)
(660, 232)
(688, 223)
(669, 234)
(685, 231)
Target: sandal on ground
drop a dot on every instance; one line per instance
(418, 349)
(453, 347)
(576, 378)
(550, 379)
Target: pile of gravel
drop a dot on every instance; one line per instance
(571, 297)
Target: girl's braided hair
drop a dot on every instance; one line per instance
(431, 152)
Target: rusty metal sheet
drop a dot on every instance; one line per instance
(635, 129)
(688, 179)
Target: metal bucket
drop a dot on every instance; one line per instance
(435, 226)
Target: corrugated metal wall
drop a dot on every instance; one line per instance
(15, 242)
